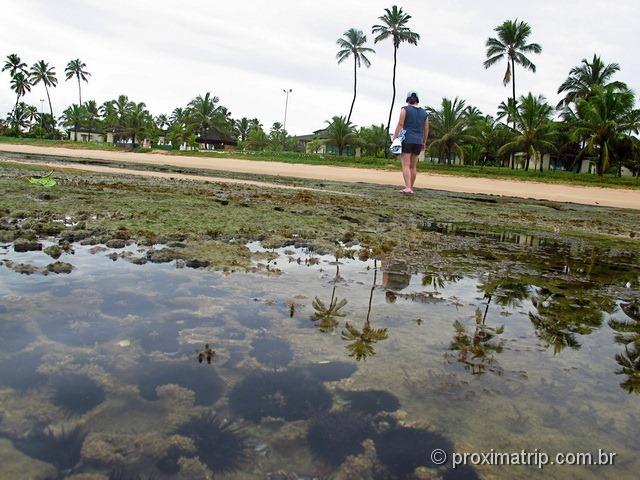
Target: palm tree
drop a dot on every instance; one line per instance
(73, 117)
(512, 44)
(177, 116)
(583, 78)
(21, 85)
(162, 121)
(14, 65)
(122, 107)
(601, 120)
(353, 45)
(394, 25)
(242, 127)
(137, 121)
(42, 72)
(534, 129)
(76, 68)
(373, 139)
(21, 118)
(451, 127)
(341, 132)
(202, 112)
(92, 115)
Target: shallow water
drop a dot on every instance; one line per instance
(509, 360)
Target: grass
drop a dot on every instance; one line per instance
(555, 177)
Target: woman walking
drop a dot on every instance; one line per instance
(415, 122)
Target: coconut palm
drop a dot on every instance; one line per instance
(14, 65)
(511, 44)
(162, 121)
(73, 117)
(450, 127)
(534, 133)
(373, 139)
(122, 107)
(21, 85)
(394, 26)
(137, 120)
(42, 72)
(583, 78)
(92, 115)
(177, 116)
(352, 45)
(202, 112)
(340, 132)
(242, 128)
(21, 116)
(76, 68)
(601, 120)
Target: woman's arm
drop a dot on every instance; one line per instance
(400, 125)
(425, 139)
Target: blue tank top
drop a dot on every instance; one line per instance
(414, 124)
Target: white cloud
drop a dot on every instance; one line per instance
(165, 52)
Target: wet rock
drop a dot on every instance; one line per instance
(172, 237)
(7, 235)
(75, 235)
(195, 263)
(116, 243)
(97, 249)
(91, 241)
(164, 255)
(48, 228)
(138, 260)
(177, 245)
(25, 269)
(54, 251)
(180, 263)
(60, 267)
(22, 245)
(113, 256)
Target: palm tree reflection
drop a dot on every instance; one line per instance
(362, 341)
(628, 334)
(326, 316)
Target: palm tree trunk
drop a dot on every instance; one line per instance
(526, 167)
(393, 99)
(355, 84)
(79, 90)
(513, 86)
(46, 89)
(15, 107)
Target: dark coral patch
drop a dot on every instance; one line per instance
(76, 394)
(271, 351)
(372, 401)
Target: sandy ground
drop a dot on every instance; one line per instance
(610, 197)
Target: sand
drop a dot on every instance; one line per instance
(610, 197)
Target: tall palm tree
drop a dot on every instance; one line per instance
(76, 68)
(137, 120)
(21, 85)
(177, 116)
(451, 127)
(122, 107)
(583, 78)
(73, 117)
(601, 120)
(394, 26)
(353, 45)
(534, 129)
(42, 72)
(512, 45)
(14, 65)
(341, 132)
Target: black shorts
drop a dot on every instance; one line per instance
(412, 148)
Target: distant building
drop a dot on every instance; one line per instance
(216, 139)
(325, 147)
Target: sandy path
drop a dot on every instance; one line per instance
(620, 198)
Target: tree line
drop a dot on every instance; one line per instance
(596, 118)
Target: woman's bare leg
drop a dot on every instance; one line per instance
(406, 171)
(414, 169)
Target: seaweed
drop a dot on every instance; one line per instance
(62, 450)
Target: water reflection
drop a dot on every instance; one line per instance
(628, 335)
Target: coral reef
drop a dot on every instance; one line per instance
(335, 435)
(221, 445)
(21, 371)
(288, 394)
(76, 393)
(372, 401)
(61, 450)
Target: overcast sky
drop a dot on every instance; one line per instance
(247, 51)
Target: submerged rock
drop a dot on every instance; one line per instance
(164, 255)
(116, 243)
(197, 263)
(54, 251)
(60, 267)
(22, 245)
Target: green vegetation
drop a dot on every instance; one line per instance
(352, 45)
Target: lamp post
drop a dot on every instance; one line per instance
(286, 105)
(41, 117)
